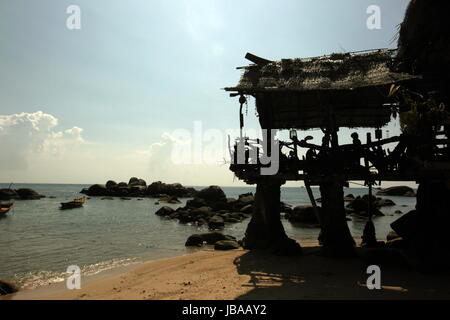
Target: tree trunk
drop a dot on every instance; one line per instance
(335, 235)
(265, 230)
(430, 241)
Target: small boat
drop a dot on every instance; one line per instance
(4, 209)
(76, 203)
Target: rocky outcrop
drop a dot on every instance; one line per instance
(360, 206)
(20, 194)
(226, 245)
(164, 211)
(210, 238)
(8, 194)
(216, 222)
(304, 215)
(216, 211)
(137, 187)
(174, 189)
(403, 191)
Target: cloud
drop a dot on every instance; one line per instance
(26, 136)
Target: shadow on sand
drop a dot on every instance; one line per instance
(312, 276)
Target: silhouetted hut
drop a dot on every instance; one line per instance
(327, 92)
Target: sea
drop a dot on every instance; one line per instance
(38, 241)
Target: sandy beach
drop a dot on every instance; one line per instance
(242, 274)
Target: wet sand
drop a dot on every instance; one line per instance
(242, 274)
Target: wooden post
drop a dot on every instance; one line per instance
(313, 201)
(265, 230)
(335, 235)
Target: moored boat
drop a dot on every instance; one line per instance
(5, 208)
(76, 203)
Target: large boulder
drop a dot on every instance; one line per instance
(8, 194)
(209, 238)
(226, 245)
(28, 194)
(384, 203)
(137, 190)
(247, 209)
(164, 211)
(195, 240)
(7, 287)
(122, 185)
(97, 190)
(213, 195)
(216, 222)
(246, 198)
(174, 189)
(196, 203)
(397, 191)
(136, 182)
(110, 184)
(359, 206)
(303, 214)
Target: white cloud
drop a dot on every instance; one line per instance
(25, 136)
(34, 150)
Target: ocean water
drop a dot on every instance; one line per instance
(38, 241)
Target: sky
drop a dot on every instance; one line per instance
(142, 78)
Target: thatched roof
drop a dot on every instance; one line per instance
(350, 88)
(339, 71)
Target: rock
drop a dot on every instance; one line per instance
(137, 182)
(125, 198)
(407, 225)
(384, 202)
(97, 190)
(397, 243)
(397, 191)
(164, 211)
(359, 206)
(246, 198)
(122, 185)
(350, 196)
(196, 203)
(7, 287)
(392, 235)
(236, 215)
(398, 211)
(169, 199)
(213, 237)
(226, 245)
(8, 194)
(175, 189)
(303, 214)
(216, 222)
(202, 212)
(194, 240)
(212, 195)
(28, 194)
(247, 209)
(209, 238)
(110, 184)
(285, 208)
